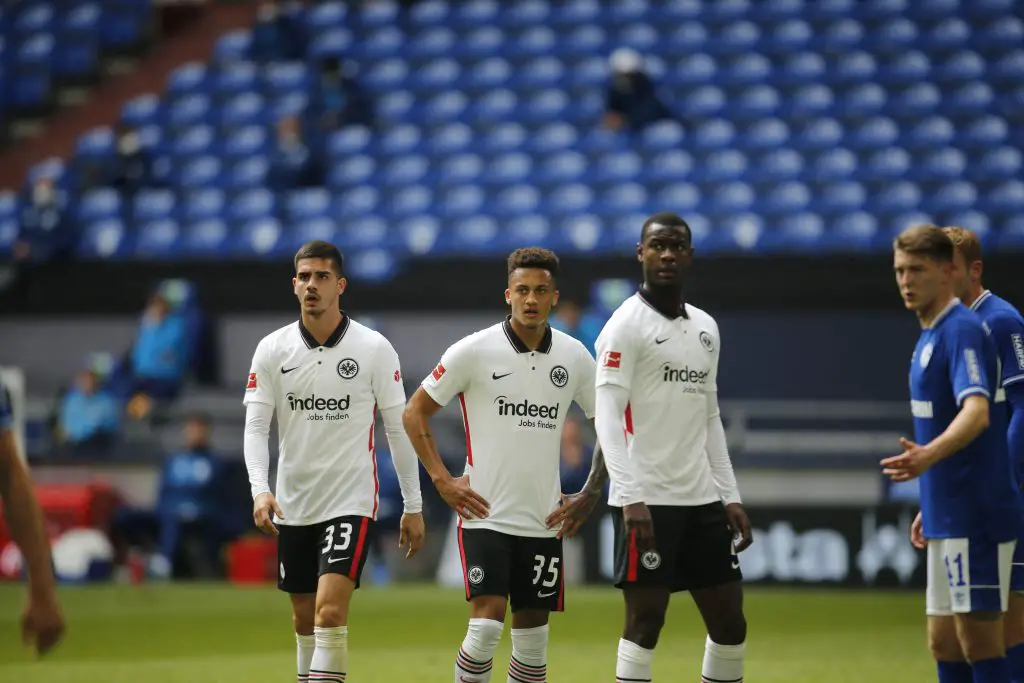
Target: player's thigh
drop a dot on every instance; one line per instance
(333, 598)
(298, 550)
(486, 562)
(344, 546)
(943, 640)
(538, 579)
(653, 567)
(706, 557)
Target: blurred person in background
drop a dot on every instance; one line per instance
(337, 100)
(576, 456)
(631, 101)
(575, 322)
(277, 34)
(1007, 329)
(90, 416)
(972, 513)
(42, 624)
(294, 163)
(47, 231)
(159, 357)
(131, 166)
(187, 506)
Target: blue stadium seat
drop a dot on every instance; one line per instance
(247, 174)
(199, 172)
(95, 143)
(857, 230)
(99, 204)
(203, 205)
(802, 67)
(1001, 162)
(417, 235)
(943, 164)
(538, 40)
(703, 101)
(104, 240)
(451, 139)
(410, 201)
(779, 164)
(515, 200)
(1011, 234)
(158, 240)
(406, 170)
(250, 206)
(835, 164)
(801, 232)
(508, 168)
(151, 204)
(355, 202)
(233, 46)
(372, 265)
(819, 133)
(561, 167)
(335, 42)
(726, 164)
(302, 205)
(958, 195)
(141, 111)
(257, 237)
(189, 78)
(890, 162)
(481, 42)
(732, 198)
(898, 196)
(1005, 198)
(840, 197)
(319, 228)
(680, 197)
(204, 239)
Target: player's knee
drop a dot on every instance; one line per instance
(981, 636)
(944, 643)
(330, 615)
(644, 626)
(303, 623)
(729, 631)
(530, 643)
(484, 635)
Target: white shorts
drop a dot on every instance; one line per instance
(968, 575)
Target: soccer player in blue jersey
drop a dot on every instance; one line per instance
(1006, 327)
(971, 509)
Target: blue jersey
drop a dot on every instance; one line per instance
(970, 494)
(1006, 327)
(6, 412)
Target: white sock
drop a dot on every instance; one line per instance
(473, 665)
(722, 663)
(330, 660)
(305, 646)
(529, 663)
(634, 663)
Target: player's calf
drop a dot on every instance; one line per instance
(303, 615)
(476, 656)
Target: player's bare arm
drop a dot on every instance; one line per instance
(971, 421)
(42, 624)
(575, 508)
(455, 491)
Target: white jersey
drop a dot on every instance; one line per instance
(514, 402)
(326, 398)
(670, 368)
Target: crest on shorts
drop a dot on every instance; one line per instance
(559, 376)
(475, 575)
(706, 341)
(651, 560)
(348, 368)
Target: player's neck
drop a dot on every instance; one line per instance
(322, 326)
(531, 336)
(927, 316)
(668, 298)
(973, 294)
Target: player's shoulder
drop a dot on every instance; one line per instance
(488, 336)
(627, 314)
(961, 322)
(281, 338)
(1002, 313)
(363, 334)
(562, 342)
(701, 317)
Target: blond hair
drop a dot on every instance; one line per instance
(966, 242)
(926, 240)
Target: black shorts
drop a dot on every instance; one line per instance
(693, 549)
(524, 569)
(337, 546)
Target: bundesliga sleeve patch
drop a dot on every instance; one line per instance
(612, 359)
(251, 384)
(438, 373)
(398, 376)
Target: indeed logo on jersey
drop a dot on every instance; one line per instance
(532, 414)
(318, 408)
(692, 379)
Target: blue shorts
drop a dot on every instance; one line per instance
(968, 575)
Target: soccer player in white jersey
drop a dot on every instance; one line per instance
(515, 382)
(679, 519)
(326, 377)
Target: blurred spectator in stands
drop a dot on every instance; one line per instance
(584, 326)
(278, 33)
(159, 356)
(337, 99)
(89, 417)
(576, 456)
(47, 231)
(631, 101)
(294, 162)
(131, 167)
(187, 516)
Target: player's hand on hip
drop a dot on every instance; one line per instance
(263, 507)
(463, 499)
(637, 518)
(572, 512)
(909, 464)
(42, 624)
(917, 538)
(740, 525)
(412, 530)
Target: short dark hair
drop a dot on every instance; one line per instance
(321, 249)
(668, 219)
(925, 240)
(533, 257)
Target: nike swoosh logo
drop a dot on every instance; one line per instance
(332, 560)
(285, 371)
(495, 375)
(545, 595)
(662, 341)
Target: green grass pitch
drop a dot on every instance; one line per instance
(215, 633)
